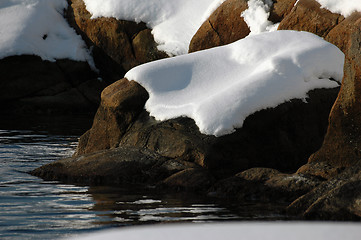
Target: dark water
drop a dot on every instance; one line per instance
(31, 208)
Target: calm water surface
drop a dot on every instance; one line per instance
(31, 208)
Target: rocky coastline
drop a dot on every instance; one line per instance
(304, 154)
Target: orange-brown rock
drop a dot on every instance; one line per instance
(308, 16)
(224, 26)
(112, 41)
(342, 144)
(121, 103)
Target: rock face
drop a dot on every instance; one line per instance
(31, 85)
(342, 144)
(117, 45)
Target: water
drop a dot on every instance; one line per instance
(31, 208)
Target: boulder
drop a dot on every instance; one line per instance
(117, 45)
(224, 26)
(307, 15)
(30, 85)
(121, 103)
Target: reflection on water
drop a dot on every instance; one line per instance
(31, 208)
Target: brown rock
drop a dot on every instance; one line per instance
(280, 9)
(308, 16)
(111, 41)
(121, 103)
(342, 144)
(224, 26)
(145, 49)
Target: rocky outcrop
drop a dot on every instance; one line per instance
(250, 164)
(30, 85)
(117, 45)
(272, 143)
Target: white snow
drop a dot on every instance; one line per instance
(234, 230)
(173, 22)
(343, 7)
(220, 87)
(37, 27)
(256, 16)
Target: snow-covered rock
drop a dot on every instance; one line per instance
(220, 87)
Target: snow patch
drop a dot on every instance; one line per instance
(174, 22)
(220, 87)
(256, 16)
(37, 27)
(343, 7)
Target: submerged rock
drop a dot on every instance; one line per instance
(117, 166)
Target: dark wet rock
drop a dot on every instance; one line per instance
(265, 185)
(117, 166)
(30, 85)
(195, 179)
(337, 199)
(117, 45)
